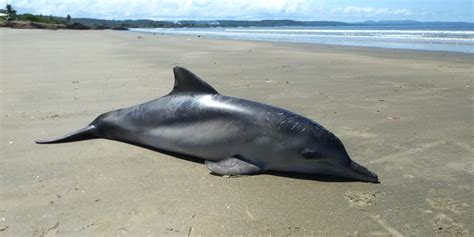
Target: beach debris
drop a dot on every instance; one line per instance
(427, 211)
(282, 66)
(51, 231)
(10, 142)
(171, 229)
(409, 176)
(3, 228)
(86, 226)
(139, 37)
(49, 117)
(287, 82)
(267, 80)
(75, 82)
(393, 118)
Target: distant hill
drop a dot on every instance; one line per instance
(123, 23)
(272, 23)
(411, 22)
(237, 23)
(191, 23)
(403, 22)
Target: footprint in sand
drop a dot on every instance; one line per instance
(445, 225)
(362, 200)
(448, 204)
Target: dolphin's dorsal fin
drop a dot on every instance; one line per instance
(187, 82)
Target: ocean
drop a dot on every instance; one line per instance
(448, 37)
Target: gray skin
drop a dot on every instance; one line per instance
(234, 136)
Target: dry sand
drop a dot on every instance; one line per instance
(407, 115)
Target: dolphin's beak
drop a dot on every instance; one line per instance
(359, 172)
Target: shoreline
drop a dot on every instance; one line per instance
(350, 47)
(358, 49)
(406, 115)
(260, 35)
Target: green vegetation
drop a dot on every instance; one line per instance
(11, 13)
(13, 16)
(31, 21)
(39, 19)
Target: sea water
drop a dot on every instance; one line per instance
(449, 37)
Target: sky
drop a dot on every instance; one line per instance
(331, 10)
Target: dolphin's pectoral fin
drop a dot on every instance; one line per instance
(233, 166)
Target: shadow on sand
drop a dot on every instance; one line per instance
(321, 178)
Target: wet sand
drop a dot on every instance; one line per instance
(407, 115)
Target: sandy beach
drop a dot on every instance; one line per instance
(406, 115)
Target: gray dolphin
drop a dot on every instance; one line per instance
(234, 136)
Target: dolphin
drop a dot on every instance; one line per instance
(234, 136)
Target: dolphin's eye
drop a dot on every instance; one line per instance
(311, 154)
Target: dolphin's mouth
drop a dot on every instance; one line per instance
(362, 173)
(352, 171)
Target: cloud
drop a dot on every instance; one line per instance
(341, 10)
(167, 9)
(371, 11)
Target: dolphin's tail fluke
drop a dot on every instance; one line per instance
(79, 135)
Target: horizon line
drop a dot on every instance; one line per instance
(270, 19)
